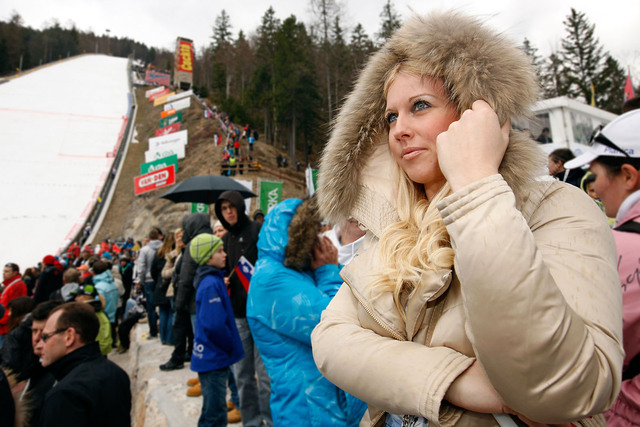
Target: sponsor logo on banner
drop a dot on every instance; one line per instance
(167, 113)
(176, 149)
(154, 180)
(152, 91)
(158, 95)
(162, 99)
(158, 77)
(270, 195)
(177, 137)
(168, 129)
(185, 57)
(167, 121)
(178, 105)
(159, 164)
(199, 208)
(180, 95)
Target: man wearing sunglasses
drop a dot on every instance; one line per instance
(91, 390)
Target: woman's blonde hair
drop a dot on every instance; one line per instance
(419, 241)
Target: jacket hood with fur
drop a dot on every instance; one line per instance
(356, 177)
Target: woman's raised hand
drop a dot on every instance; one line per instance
(473, 146)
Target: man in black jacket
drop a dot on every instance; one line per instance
(91, 390)
(240, 240)
(185, 303)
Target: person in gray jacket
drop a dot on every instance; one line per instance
(144, 279)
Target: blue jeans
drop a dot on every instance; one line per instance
(149, 288)
(166, 323)
(214, 398)
(234, 389)
(254, 395)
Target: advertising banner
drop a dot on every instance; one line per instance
(168, 129)
(176, 149)
(163, 92)
(177, 137)
(180, 95)
(152, 91)
(167, 121)
(159, 164)
(185, 56)
(154, 180)
(199, 208)
(178, 105)
(158, 77)
(162, 99)
(270, 195)
(167, 113)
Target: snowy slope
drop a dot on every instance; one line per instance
(57, 125)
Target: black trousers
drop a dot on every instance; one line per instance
(182, 335)
(125, 328)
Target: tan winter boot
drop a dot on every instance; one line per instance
(193, 381)
(230, 405)
(233, 416)
(194, 391)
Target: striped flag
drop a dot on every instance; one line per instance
(244, 271)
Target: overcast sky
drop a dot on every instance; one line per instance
(158, 23)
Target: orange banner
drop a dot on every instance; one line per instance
(185, 57)
(167, 113)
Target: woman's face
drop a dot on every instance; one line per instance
(417, 112)
(609, 188)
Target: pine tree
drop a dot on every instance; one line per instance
(361, 47)
(554, 81)
(325, 11)
(587, 66)
(222, 49)
(532, 52)
(390, 22)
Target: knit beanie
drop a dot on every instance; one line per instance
(203, 246)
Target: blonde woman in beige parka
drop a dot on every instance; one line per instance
(480, 288)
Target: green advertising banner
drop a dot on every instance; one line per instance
(199, 208)
(168, 121)
(270, 195)
(159, 164)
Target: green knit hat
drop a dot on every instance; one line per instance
(203, 246)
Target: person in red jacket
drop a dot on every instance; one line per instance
(13, 287)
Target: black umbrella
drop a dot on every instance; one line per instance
(205, 189)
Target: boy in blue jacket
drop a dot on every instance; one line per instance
(216, 343)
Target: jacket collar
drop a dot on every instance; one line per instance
(61, 367)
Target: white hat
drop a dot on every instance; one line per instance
(623, 133)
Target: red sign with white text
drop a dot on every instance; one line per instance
(169, 129)
(158, 95)
(154, 180)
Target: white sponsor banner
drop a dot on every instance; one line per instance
(173, 138)
(180, 95)
(176, 149)
(247, 201)
(178, 105)
(152, 91)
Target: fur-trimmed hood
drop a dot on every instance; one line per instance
(356, 175)
(288, 233)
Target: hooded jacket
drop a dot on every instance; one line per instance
(106, 286)
(240, 240)
(283, 307)
(192, 225)
(626, 409)
(533, 293)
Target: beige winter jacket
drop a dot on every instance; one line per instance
(534, 294)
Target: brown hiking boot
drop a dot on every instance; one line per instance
(233, 416)
(230, 405)
(193, 381)
(194, 391)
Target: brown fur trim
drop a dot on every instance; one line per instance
(473, 62)
(17, 388)
(303, 231)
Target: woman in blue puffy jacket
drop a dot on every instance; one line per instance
(295, 277)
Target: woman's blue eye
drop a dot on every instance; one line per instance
(420, 105)
(392, 117)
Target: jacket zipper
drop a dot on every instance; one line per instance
(379, 322)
